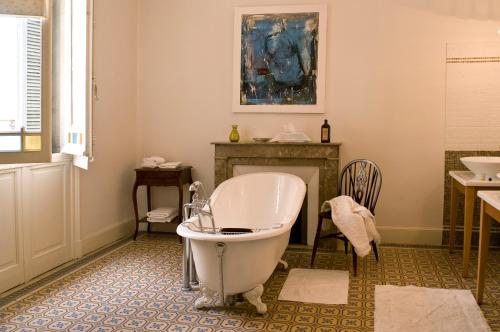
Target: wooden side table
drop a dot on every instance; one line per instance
(490, 209)
(160, 177)
(464, 182)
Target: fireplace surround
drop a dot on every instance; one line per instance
(316, 163)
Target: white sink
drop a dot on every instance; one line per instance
(485, 168)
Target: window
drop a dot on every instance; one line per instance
(22, 87)
(20, 82)
(45, 94)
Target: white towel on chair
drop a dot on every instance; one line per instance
(356, 222)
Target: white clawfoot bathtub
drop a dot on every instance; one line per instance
(267, 203)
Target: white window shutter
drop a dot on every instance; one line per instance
(33, 88)
(77, 139)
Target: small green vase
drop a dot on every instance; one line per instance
(234, 137)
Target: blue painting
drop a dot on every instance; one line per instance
(279, 59)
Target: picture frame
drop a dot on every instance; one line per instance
(279, 59)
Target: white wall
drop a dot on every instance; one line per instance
(106, 204)
(472, 98)
(385, 84)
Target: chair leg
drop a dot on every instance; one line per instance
(316, 240)
(374, 246)
(354, 261)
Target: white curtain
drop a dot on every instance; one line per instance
(22, 7)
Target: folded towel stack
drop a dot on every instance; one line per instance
(152, 162)
(170, 164)
(163, 214)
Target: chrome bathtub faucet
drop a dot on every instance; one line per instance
(198, 204)
(197, 208)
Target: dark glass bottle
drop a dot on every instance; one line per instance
(325, 132)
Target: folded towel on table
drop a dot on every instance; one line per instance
(149, 165)
(152, 162)
(160, 219)
(155, 160)
(163, 212)
(356, 222)
(170, 164)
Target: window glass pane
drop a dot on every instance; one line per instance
(33, 143)
(11, 77)
(10, 143)
(20, 79)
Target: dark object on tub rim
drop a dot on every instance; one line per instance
(233, 230)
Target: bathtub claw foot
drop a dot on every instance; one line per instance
(284, 263)
(217, 300)
(254, 297)
(202, 302)
(206, 300)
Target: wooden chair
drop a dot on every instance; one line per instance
(361, 179)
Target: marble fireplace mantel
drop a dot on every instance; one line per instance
(324, 156)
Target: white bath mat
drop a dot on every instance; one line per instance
(419, 309)
(316, 286)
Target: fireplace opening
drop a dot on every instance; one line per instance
(298, 233)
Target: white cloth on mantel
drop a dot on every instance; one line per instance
(356, 222)
(289, 134)
(163, 214)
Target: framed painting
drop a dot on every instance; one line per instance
(279, 59)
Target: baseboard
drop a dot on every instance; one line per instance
(106, 236)
(411, 235)
(77, 249)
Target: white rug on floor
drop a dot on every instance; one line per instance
(420, 309)
(316, 286)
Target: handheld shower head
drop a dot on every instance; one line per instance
(194, 186)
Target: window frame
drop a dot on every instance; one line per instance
(81, 147)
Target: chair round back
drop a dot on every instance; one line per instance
(361, 179)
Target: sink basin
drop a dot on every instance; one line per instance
(485, 168)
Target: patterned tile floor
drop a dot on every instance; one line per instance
(137, 288)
